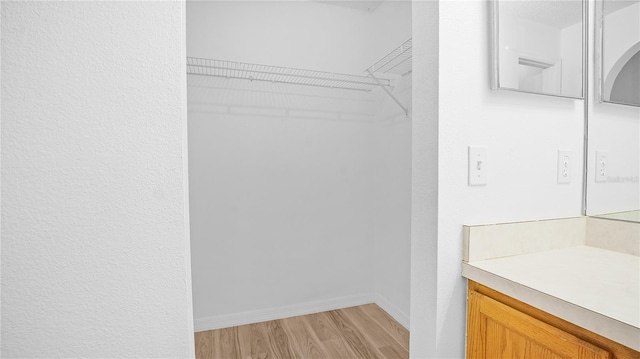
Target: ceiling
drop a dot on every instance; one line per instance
(557, 13)
(615, 5)
(364, 5)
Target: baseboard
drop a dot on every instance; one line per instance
(256, 316)
(397, 314)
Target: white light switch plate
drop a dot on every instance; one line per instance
(564, 166)
(477, 166)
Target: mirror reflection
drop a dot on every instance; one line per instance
(628, 216)
(613, 163)
(620, 55)
(538, 47)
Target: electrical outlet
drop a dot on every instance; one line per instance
(602, 166)
(477, 166)
(564, 166)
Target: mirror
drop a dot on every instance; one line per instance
(628, 216)
(613, 161)
(619, 52)
(537, 46)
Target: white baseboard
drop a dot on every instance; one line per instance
(261, 315)
(397, 314)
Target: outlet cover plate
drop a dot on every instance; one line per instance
(602, 166)
(564, 166)
(477, 166)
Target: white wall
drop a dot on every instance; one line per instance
(95, 243)
(392, 209)
(283, 177)
(424, 179)
(298, 34)
(614, 128)
(280, 204)
(522, 132)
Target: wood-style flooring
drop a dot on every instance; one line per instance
(365, 332)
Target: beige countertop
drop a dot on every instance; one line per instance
(595, 288)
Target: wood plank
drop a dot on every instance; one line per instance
(260, 342)
(352, 336)
(352, 333)
(306, 343)
(229, 346)
(278, 340)
(386, 321)
(322, 327)
(329, 335)
(204, 345)
(217, 347)
(393, 352)
(245, 340)
(375, 333)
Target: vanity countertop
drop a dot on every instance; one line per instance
(595, 288)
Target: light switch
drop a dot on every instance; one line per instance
(477, 166)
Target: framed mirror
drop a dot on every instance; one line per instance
(618, 51)
(538, 46)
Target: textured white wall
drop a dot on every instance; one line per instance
(95, 244)
(614, 128)
(522, 132)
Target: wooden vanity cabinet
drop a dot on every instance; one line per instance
(499, 326)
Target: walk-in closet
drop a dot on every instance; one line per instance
(299, 120)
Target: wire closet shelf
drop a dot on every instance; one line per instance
(397, 62)
(284, 75)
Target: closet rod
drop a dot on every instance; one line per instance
(285, 75)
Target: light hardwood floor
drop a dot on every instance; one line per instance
(365, 332)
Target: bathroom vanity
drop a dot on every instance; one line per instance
(553, 289)
(565, 288)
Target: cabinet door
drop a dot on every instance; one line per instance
(495, 330)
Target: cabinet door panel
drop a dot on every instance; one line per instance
(499, 331)
(539, 351)
(504, 343)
